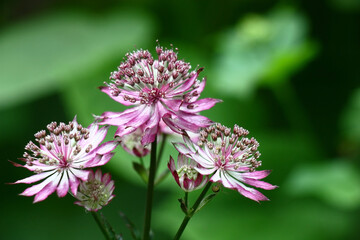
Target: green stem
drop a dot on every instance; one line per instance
(161, 151)
(191, 212)
(186, 199)
(101, 225)
(150, 191)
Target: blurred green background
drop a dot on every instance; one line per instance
(287, 70)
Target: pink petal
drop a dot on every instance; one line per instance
(106, 147)
(35, 178)
(173, 104)
(182, 160)
(196, 120)
(38, 187)
(124, 130)
(251, 193)
(179, 124)
(96, 138)
(141, 118)
(118, 119)
(205, 171)
(195, 94)
(151, 128)
(259, 184)
(63, 187)
(171, 164)
(46, 191)
(100, 160)
(256, 174)
(149, 135)
(74, 183)
(182, 148)
(106, 178)
(82, 174)
(98, 175)
(223, 177)
(200, 105)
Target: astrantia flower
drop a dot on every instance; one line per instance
(156, 88)
(96, 192)
(230, 158)
(132, 143)
(185, 174)
(61, 156)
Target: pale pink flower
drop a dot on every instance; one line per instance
(132, 143)
(156, 88)
(230, 158)
(185, 173)
(96, 192)
(61, 156)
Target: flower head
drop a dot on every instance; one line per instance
(185, 174)
(96, 192)
(156, 87)
(230, 157)
(132, 143)
(60, 157)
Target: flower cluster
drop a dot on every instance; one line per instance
(61, 156)
(230, 157)
(96, 192)
(156, 88)
(185, 174)
(164, 95)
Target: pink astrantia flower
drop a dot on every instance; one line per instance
(156, 88)
(61, 156)
(96, 192)
(185, 174)
(230, 158)
(132, 143)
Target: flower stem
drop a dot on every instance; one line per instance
(150, 191)
(191, 212)
(161, 151)
(101, 225)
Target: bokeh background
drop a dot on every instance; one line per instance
(286, 70)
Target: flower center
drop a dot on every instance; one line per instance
(152, 96)
(189, 171)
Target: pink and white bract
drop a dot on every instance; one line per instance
(61, 157)
(132, 143)
(230, 158)
(185, 174)
(96, 192)
(156, 88)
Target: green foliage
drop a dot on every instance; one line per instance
(262, 50)
(38, 55)
(66, 55)
(351, 118)
(336, 182)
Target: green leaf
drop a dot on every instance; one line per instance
(108, 228)
(335, 182)
(183, 206)
(262, 50)
(140, 169)
(41, 53)
(205, 201)
(135, 233)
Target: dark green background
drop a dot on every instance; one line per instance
(286, 70)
